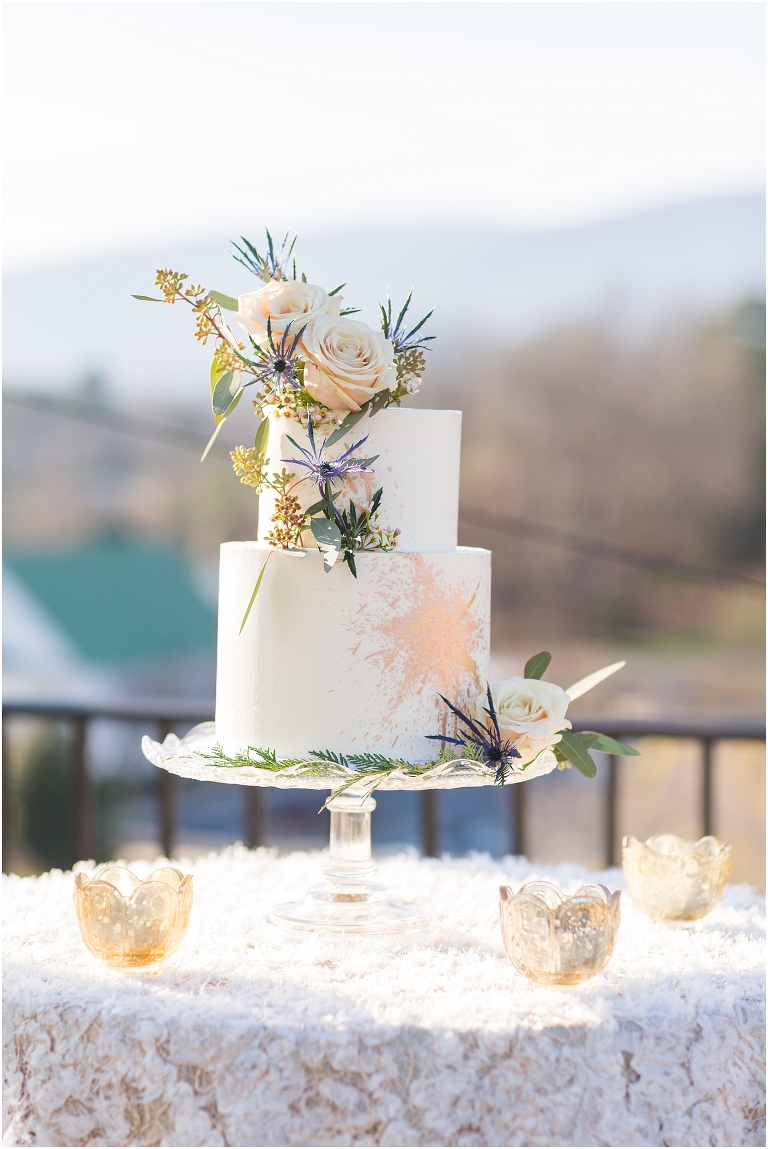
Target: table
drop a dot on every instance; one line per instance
(250, 1039)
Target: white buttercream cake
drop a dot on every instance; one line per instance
(327, 661)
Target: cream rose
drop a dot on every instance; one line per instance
(284, 301)
(530, 712)
(348, 363)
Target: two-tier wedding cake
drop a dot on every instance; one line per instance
(326, 660)
(354, 630)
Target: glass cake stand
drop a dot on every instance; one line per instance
(349, 900)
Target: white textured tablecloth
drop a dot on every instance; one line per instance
(248, 1039)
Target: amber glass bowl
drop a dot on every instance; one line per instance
(130, 924)
(559, 940)
(676, 880)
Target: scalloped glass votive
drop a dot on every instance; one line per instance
(558, 940)
(675, 880)
(130, 924)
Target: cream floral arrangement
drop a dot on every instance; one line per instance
(309, 361)
(305, 356)
(516, 729)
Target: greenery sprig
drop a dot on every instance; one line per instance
(367, 771)
(409, 351)
(270, 266)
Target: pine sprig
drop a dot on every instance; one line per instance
(377, 762)
(265, 759)
(329, 756)
(359, 765)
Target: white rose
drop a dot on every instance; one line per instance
(531, 713)
(284, 301)
(348, 363)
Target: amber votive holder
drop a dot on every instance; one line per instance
(132, 924)
(556, 939)
(671, 879)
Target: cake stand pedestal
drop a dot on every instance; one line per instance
(349, 901)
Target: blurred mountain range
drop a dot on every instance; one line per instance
(489, 286)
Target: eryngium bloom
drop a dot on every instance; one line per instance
(487, 740)
(270, 266)
(403, 340)
(278, 363)
(324, 471)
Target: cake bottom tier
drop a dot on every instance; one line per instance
(327, 661)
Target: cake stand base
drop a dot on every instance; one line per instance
(350, 902)
(324, 911)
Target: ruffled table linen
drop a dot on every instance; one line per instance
(247, 1038)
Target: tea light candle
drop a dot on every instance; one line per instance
(555, 939)
(676, 880)
(130, 924)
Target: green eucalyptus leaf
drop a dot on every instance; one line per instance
(577, 753)
(212, 440)
(148, 298)
(380, 401)
(237, 397)
(587, 738)
(224, 392)
(216, 373)
(346, 426)
(328, 538)
(313, 510)
(220, 420)
(262, 435)
(225, 301)
(535, 667)
(255, 592)
(611, 746)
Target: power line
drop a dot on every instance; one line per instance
(593, 548)
(154, 430)
(137, 426)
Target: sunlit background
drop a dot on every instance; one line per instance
(578, 191)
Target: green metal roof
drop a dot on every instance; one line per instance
(119, 599)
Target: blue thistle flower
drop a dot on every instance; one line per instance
(269, 266)
(494, 750)
(278, 362)
(326, 472)
(401, 339)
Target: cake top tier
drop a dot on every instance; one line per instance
(416, 469)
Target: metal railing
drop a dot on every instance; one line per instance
(170, 715)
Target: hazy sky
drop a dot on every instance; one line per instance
(126, 123)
